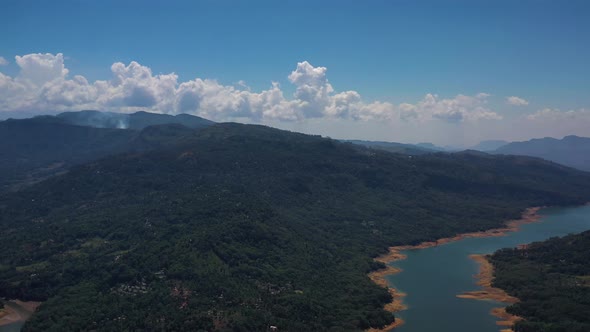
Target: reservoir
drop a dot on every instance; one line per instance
(432, 277)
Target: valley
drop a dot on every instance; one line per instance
(294, 166)
(242, 227)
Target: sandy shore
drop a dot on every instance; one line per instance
(397, 304)
(484, 277)
(398, 322)
(8, 315)
(395, 254)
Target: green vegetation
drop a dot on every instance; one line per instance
(34, 149)
(237, 228)
(552, 280)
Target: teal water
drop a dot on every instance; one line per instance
(433, 277)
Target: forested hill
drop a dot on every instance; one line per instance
(240, 227)
(37, 148)
(552, 280)
(136, 121)
(34, 149)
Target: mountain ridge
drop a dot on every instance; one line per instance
(136, 121)
(571, 150)
(36, 148)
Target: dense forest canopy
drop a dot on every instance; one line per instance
(34, 149)
(240, 227)
(552, 280)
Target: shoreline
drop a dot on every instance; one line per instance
(9, 315)
(484, 277)
(394, 254)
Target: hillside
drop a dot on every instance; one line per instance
(551, 278)
(240, 227)
(34, 149)
(573, 151)
(37, 148)
(393, 147)
(135, 121)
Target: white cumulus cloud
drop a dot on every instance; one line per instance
(457, 109)
(555, 115)
(3, 61)
(38, 69)
(516, 101)
(556, 123)
(44, 84)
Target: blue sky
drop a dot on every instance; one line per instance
(388, 52)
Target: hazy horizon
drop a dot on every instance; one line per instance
(402, 71)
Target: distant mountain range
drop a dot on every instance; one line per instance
(433, 147)
(487, 146)
(573, 151)
(32, 149)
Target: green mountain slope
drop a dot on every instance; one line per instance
(34, 149)
(239, 227)
(552, 280)
(37, 148)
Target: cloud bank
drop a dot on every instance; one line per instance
(516, 101)
(554, 115)
(456, 109)
(43, 84)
